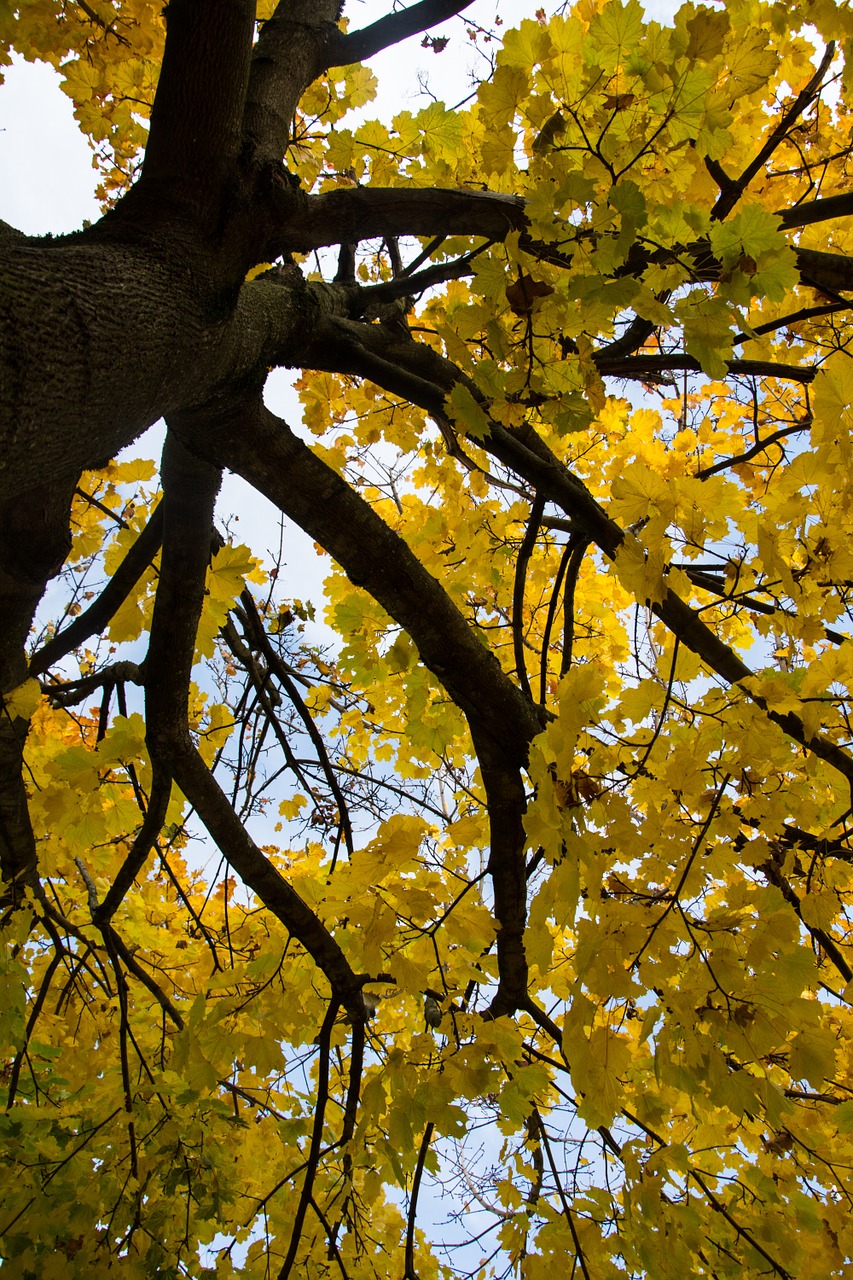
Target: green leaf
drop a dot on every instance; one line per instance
(463, 410)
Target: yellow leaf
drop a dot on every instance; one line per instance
(23, 700)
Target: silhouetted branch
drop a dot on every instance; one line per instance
(312, 1164)
(644, 368)
(260, 638)
(409, 1272)
(528, 542)
(190, 487)
(734, 188)
(358, 46)
(97, 617)
(572, 573)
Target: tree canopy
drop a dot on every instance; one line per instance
(510, 934)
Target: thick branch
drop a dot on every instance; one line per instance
(190, 487)
(34, 541)
(351, 214)
(291, 52)
(418, 373)
(503, 721)
(820, 210)
(197, 115)
(832, 273)
(250, 440)
(506, 803)
(358, 46)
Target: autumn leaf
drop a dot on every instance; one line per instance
(522, 294)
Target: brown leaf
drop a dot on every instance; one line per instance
(524, 292)
(618, 101)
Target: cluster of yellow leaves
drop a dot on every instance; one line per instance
(681, 923)
(691, 887)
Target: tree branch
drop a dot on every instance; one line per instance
(314, 1151)
(34, 541)
(530, 458)
(189, 488)
(291, 52)
(152, 825)
(260, 639)
(256, 444)
(644, 368)
(503, 721)
(418, 373)
(358, 46)
(526, 550)
(351, 214)
(820, 210)
(409, 1272)
(196, 120)
(97, 617)
(735, 188)
(506, 803)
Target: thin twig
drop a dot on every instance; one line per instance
(410, 1273)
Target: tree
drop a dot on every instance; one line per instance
(564, 841)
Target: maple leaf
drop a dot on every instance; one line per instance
(522, 294)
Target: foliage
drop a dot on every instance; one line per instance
(534, 887)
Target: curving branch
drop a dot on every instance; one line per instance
(315, 1149)
(189, 487)
(565, 558)
(146, 838)
(527, 544)
(247, 438)
(409, 1272)
(503, 721)
(101, 611)
(418, 373)
(527, 454)
(576, 549)
(558, 1184)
